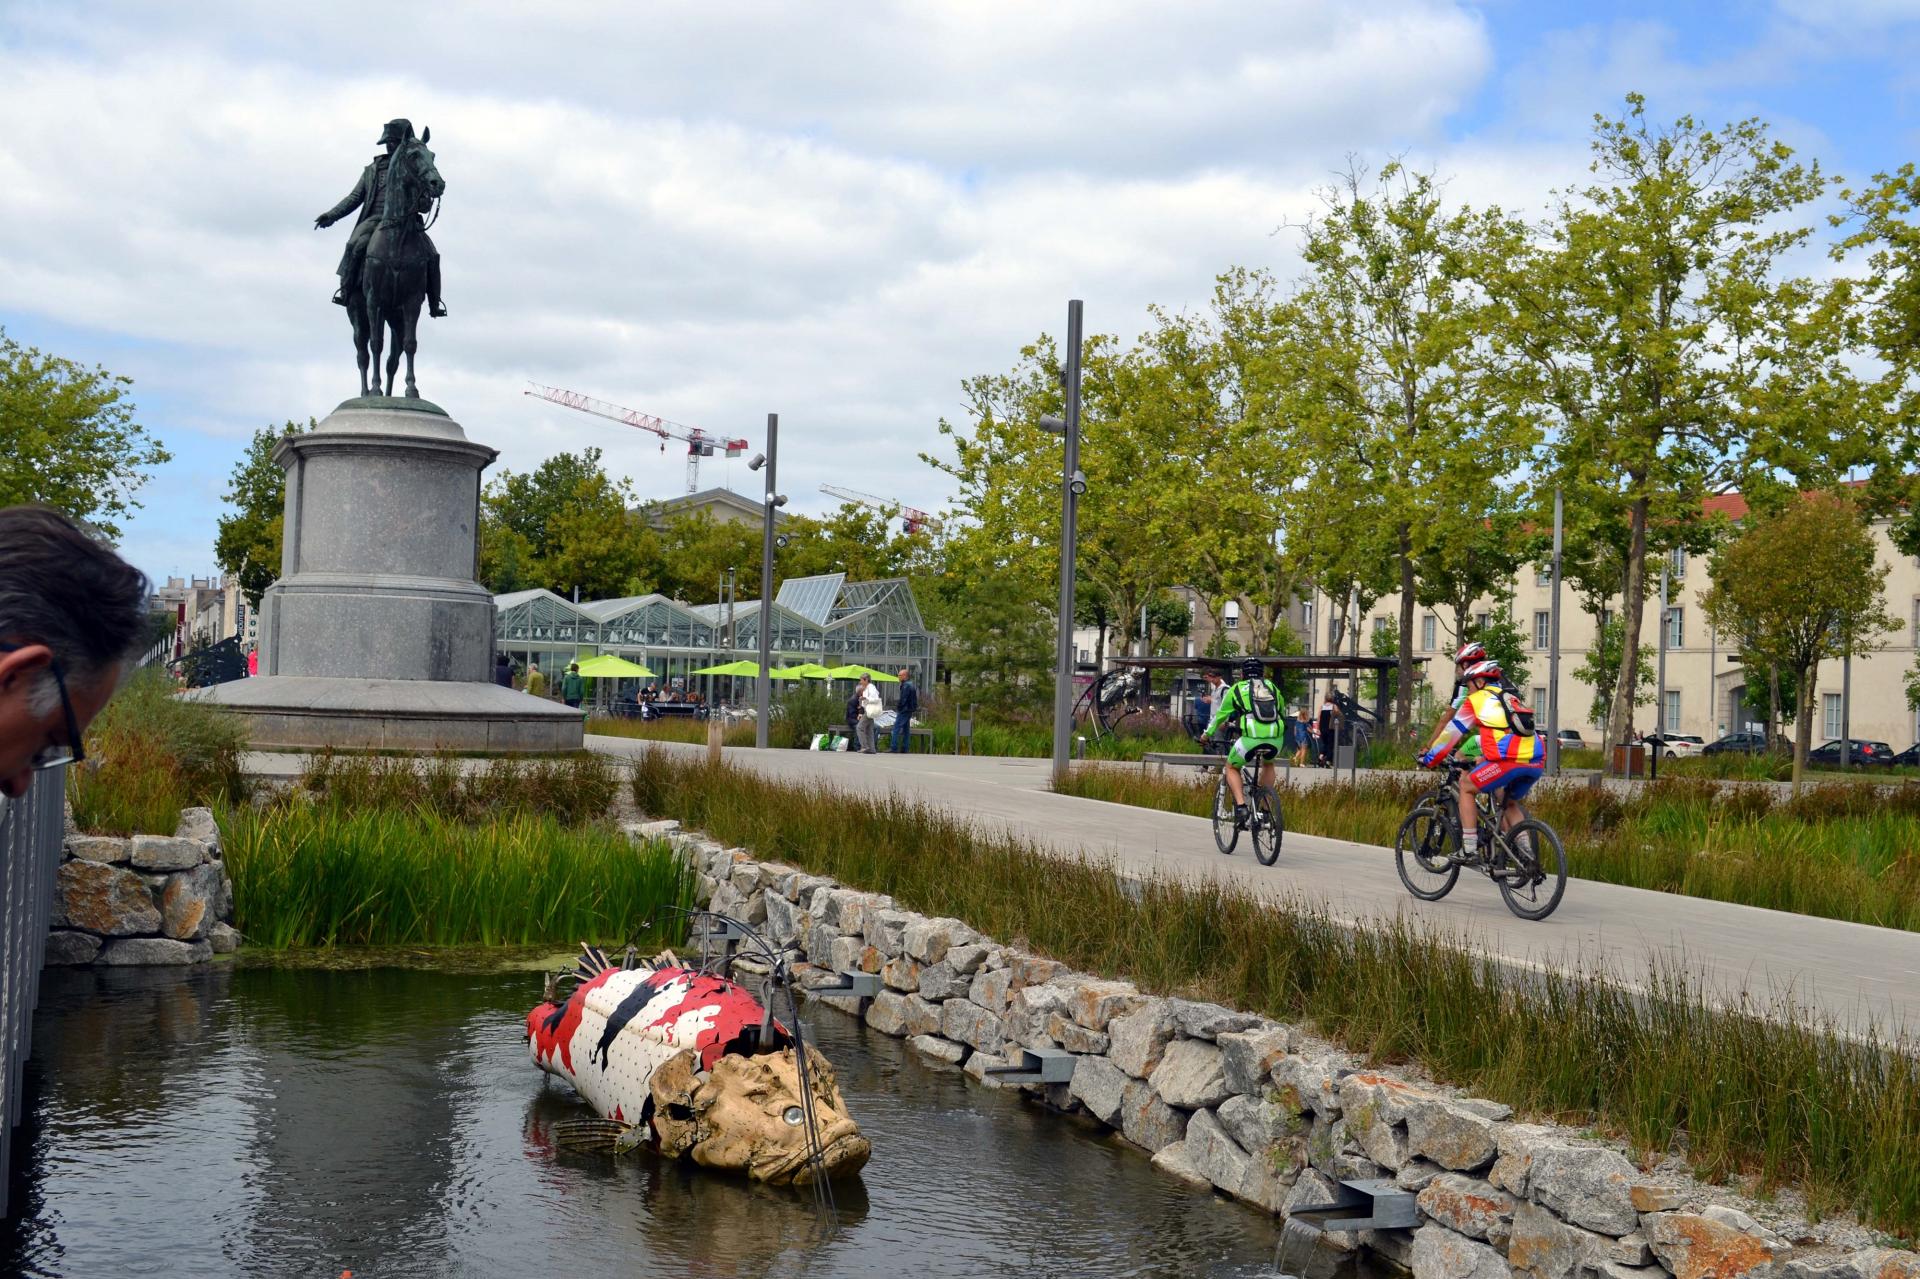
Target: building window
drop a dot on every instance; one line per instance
(1542, 628)
(1916, 621)
(1604, 617)
(1539, 705)
(1543, 574)
(1427, 626)
(1677, 563)
(1670, 722)
(1481, 621)
(1676, 628)
(1379, 624)
(1830, 715)
(1230, 615)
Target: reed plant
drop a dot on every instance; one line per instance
(149, 754)
(1838, 850)
(675, 729)
(572, 789)
(1753, 1093)
(325, 874)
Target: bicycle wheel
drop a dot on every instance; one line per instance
(1420, 854)
(1537, 876)
(1225, 833)
(1267, 825)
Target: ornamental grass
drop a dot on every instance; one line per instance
(1762, 1095)
(149, 754)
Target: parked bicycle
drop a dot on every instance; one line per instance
(1263, 822)
(1527, 862)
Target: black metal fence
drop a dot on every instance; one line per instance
(32, 829)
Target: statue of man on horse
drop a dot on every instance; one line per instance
(390, 265)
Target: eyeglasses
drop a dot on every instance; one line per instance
(53, 754)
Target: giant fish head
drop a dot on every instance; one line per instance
(746, 1115)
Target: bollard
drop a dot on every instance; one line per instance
(713, 739)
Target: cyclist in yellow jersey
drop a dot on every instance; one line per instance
(1511, 753)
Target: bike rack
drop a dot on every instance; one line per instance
(1362, 1204)
(1038, 1066)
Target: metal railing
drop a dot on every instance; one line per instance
(32, 829)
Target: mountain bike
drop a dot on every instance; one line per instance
(1528, 862)
(1264, 821)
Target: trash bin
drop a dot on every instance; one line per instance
(1630, 761)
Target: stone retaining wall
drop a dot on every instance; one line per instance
(143, 899)
(1269, 1115)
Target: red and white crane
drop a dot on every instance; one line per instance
(699, 443)
(911, 520)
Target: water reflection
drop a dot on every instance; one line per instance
(263, 1122)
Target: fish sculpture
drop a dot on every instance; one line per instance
(673, 1058)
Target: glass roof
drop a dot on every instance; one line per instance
(811, 597)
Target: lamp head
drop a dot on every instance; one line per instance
(778, 499)
(1078, 483)
(759, 460)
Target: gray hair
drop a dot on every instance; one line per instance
(63, 587)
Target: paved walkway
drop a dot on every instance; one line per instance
(1857, 975)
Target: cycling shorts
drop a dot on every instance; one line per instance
(1237, 754)
(1512, 776)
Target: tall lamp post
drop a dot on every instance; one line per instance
(1072, 485)
(763, 686)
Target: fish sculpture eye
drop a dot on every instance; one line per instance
(792, 1115)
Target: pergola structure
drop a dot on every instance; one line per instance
(824, 619)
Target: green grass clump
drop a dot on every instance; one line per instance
(1838, 851)
(675, 729)
(1784, 1102)
(150, 754)
(308, 874)
(573, 789)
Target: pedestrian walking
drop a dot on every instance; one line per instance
(1302, 729)
(1213, 688)
(905, 707)
(572, 687)
(253, 659)
(536, 682)
(870, 708)
(502, 670)
(1329, 729)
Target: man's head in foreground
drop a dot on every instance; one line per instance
(70, 613)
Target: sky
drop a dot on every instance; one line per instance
(713, 211)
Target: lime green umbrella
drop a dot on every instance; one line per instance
(855, 672)
(612, 666)
(785, 672)
(807, 670)
(741, 667)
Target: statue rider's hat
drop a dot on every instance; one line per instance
(396, 131)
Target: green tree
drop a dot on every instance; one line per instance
(247, 539)
(68, 438)
(1668, 357)
(1480, 559)
(853, 540)
(1885, 220)
(1505, 644)
(1000, 645)
(1798, 586)
(563, 525)
(696, 550)
(1600, 669)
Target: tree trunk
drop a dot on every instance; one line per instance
(1773, 717)
(1403, 690)
(1620, 713)
(1803, 718)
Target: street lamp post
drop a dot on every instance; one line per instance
(1072, 485)
(1553, 648)
(763, 686)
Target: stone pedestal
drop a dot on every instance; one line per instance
(377, 635)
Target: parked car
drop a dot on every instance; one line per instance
(1676, 745)
(1741, 743)
(1863, 752)
(1570, 739)
(1910, 757)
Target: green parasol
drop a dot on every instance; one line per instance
(741, 667)
(855, 672)
(612, 666)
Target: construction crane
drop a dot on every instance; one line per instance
(911, 521)
(699, 443)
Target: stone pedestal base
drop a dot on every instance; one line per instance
(313, 712)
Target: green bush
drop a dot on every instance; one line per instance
(803, 712)
(150, 754)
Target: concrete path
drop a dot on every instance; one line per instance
(1858, 976)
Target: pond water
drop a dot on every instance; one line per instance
(276, 1122)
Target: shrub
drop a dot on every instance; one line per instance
(802, 713)
(150, 754)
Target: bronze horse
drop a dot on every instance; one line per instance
(393, 278)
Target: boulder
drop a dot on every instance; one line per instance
(1249, 1056)
(1074, 1037)
(1308, 1084)
(1208, 1021)
(783, 919)
(1715, 1243)
(1451, 1135)
(1545, 1247)
(942, 1052)
(1139, 1039)
(1266, 1130)
(104, 899)
(892, 1013)
(1190, 1075)
(1028, 1010)
(154, 952)
(1650, 1196)
(1095, 1003)
(843, 954)
(929, 940)
(1100, 1086)
(1470, 1207)
(748, 878)
(1438, 1253)
(942, 981)
(1417, 1174)
(1217, 1155)
(901, 973)
(1146, 1120)
(990, 988)
(1513, 1170)
(977, 1064)
(1867, 1263)
(198, 825)
(1176, 1160)
(1630, 1250)
(1031, 970)
(1590, 1186)
(109, 849)
(1375, 1109)
(966, 960)
(224, 939)
(190, 903)
(970, 1024)
(65, 947)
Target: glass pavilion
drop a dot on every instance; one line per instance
(824, 619)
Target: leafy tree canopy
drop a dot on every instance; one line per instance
(247, 541)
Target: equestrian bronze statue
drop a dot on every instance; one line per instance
(390, 265)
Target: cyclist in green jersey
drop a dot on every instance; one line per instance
(1254, 705)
